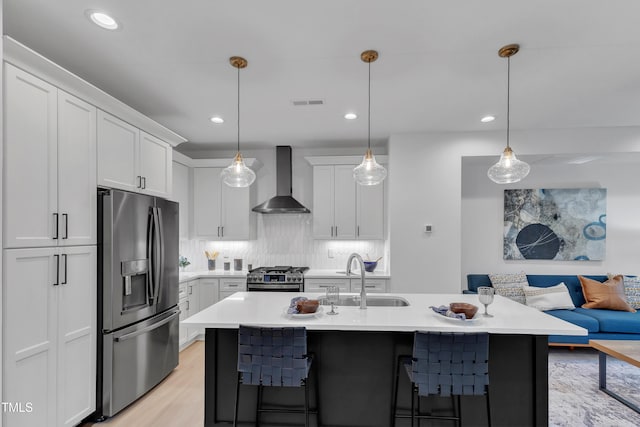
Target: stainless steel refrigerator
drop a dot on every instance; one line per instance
(137, 296)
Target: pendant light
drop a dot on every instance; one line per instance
(237, 174)
(508, 169)
(369, 172)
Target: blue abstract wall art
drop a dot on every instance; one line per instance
(556, 224)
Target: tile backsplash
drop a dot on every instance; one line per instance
(284, 239)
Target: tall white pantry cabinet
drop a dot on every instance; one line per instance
(49, 252)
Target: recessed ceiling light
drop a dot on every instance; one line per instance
(351, 116)
(487, 119)
(217, 120)
(102, 19)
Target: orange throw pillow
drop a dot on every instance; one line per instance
(609, 295)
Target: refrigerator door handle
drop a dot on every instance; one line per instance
(158, 254)
(150, 240)
(148, 328)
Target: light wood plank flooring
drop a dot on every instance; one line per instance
(176, 401)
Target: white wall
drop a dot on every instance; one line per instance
(482, 214)
(425, 187)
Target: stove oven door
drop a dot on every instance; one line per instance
(274, 287)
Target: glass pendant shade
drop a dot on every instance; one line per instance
(237, 174)
(369, 172)
(508, 169)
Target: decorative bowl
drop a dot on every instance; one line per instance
(370, 266)
(307, 306)
(469, 310)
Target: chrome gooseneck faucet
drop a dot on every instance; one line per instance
(363, 291)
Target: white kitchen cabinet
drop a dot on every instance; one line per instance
(220, 212)
(183, 333)
(180, 194)
(208, 293)
(130, 159)
(50, 165)
(50, 348)
(334, 202)
(193, 292)
(118, 153)
(189, 304)
(370, 211)
(342, 209)
(375, 285)
(155, 165)
(231, 286)
(321, 285)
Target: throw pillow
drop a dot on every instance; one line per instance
(551, 298)
(510, 285)
(609, 295)
(632, 290)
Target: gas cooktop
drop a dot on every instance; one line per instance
(280, 277)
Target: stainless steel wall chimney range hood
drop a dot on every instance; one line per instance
(283, 202)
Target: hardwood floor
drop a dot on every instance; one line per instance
(176, 401)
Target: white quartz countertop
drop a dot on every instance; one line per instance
(269, 309)
(310, 274)
(315, 273)
(216, 274)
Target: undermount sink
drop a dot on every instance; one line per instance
(372, 301)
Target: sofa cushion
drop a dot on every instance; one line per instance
(580, 319)
(613, 320)
(632, 290)
(541, 280)
(607, 295)
(510, 285)
(548, 298)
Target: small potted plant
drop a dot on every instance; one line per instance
(183, 262)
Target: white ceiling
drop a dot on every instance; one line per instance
(579, 64)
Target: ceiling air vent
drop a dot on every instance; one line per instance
(301, 102)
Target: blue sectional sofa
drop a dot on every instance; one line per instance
(601, 324)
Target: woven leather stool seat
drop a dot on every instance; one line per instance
(273, 357)
(445, 364)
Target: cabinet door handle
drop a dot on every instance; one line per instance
(55, 224)
(190, 289)
(336, 231)
(64, 282)
(218, 231)
(139, 179)
(188, 305)
(222, 230)
(358, 231)
(332, 231)
(144, 182)
(66, 226)
(57, 282)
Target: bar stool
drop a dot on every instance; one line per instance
(445, 364)
(274, 357)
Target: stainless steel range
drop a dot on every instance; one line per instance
(276, 279)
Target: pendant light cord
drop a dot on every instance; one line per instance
(369, 112)
(239, 110)
(508, 91)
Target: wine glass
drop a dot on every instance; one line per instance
(485, 295)
(333, 293)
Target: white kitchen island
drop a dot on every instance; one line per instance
(357, 349)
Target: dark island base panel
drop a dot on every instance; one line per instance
(356, 371)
